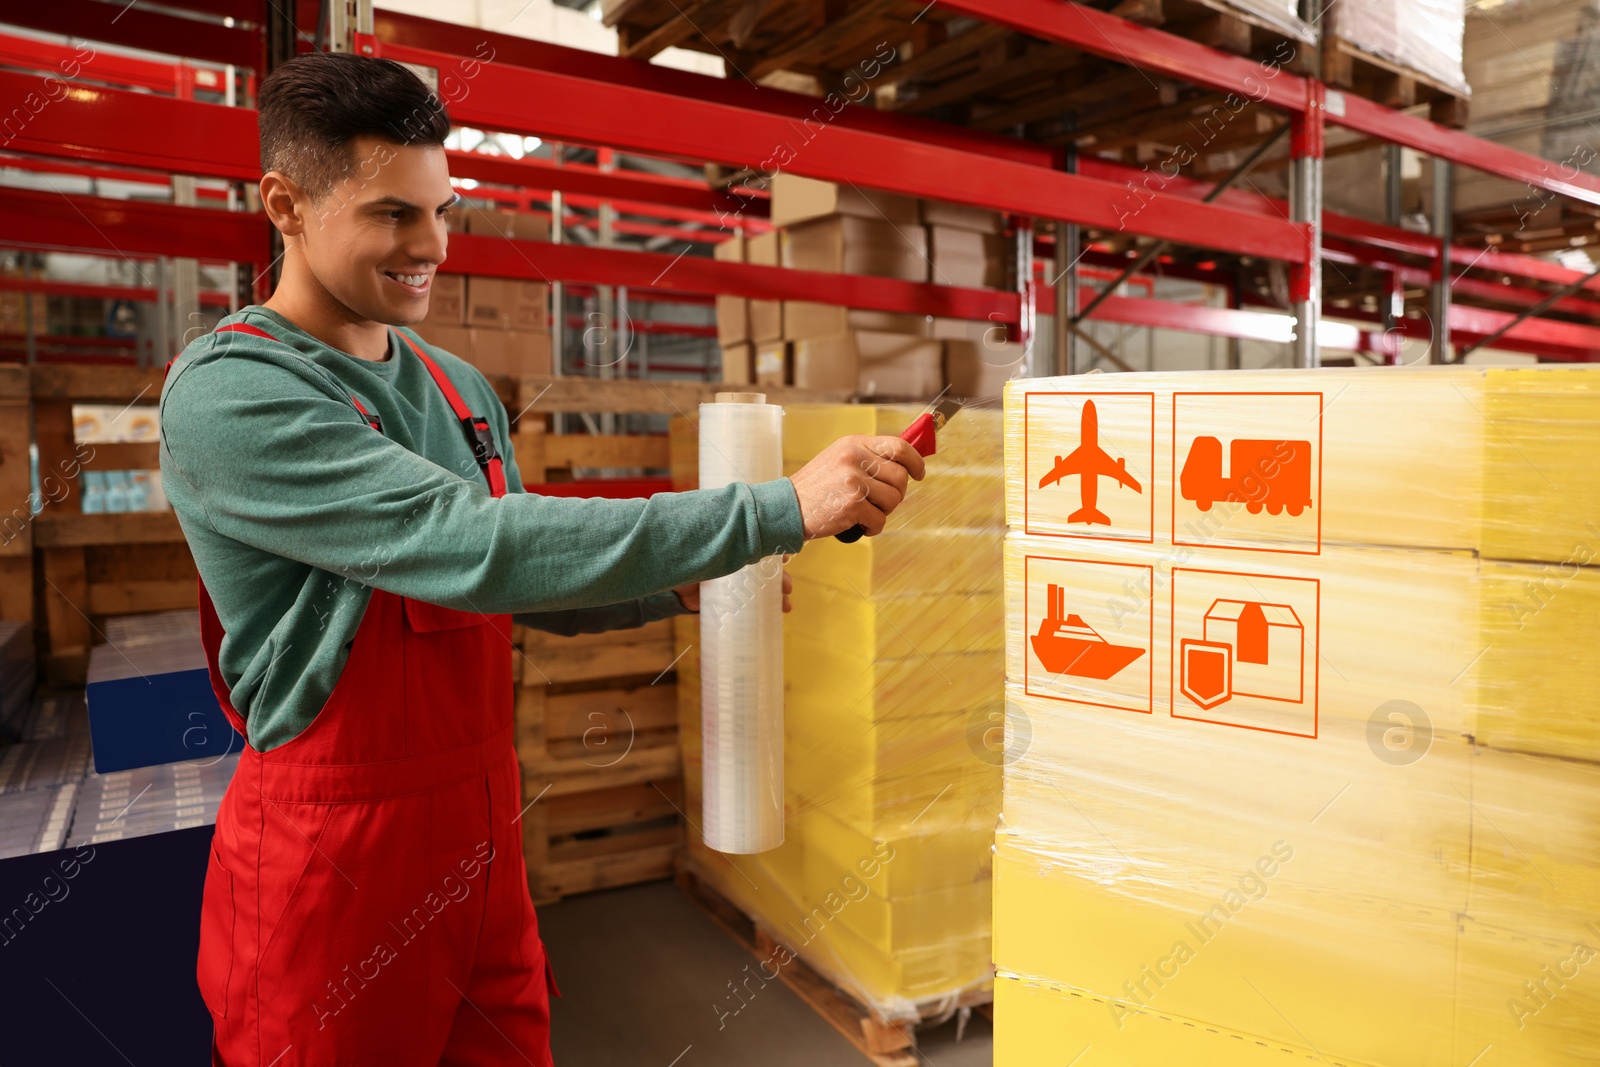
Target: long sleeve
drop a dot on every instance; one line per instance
(276, 460)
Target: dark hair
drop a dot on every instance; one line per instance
(312, 108)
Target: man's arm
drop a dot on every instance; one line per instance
(277, 462)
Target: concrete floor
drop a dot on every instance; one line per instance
(640, 970)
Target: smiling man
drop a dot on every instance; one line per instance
(364, 543)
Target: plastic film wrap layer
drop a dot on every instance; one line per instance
(1327, 788)
(742, 649)
(1421, 35)
(894, 675)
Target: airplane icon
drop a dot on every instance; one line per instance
(1091, 463)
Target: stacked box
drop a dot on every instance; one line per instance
(1302, 758)
(499, 325)
(892, 710)
(1420, 35)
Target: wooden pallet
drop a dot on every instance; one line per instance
(920, 60)
(601, 772)
(1346, 65)
(884, 1042)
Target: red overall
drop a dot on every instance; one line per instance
(366, 901)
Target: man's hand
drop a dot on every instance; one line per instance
(689, 595)
(857, 479)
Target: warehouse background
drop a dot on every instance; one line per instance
(853, 209)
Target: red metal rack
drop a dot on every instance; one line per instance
(537, 89)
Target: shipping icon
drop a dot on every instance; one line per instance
(1270, 474)
(1067, 645)
(1250, 649)
(1090, 463)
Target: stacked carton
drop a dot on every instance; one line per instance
(499, 325)
(1420, 35)
(843, 229)
(893, 681)
(1533, 69)
(1305, 752)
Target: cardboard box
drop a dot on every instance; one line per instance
(974, 368)
(962, 217)
(766, 320)
(517, 225)
(508, 304)
(733, 320)
(730, 251)
(803, 319)
(772, 363)
(869, 363)
(447, 300)
(796, 199)
(514, 353)
(738, 363)
(964, 257)
(456, 340)
(766, 316)
(848, 245)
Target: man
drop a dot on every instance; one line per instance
(363, 543)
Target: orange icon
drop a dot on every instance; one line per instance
(1271, 474)
(1207, 671)
(1250, 649)
(1065, 644)
(1091, 463)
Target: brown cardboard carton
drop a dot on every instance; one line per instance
(976, 369)
(802, 319)
(870, 363)
(447, 300)
(772, 363)
(517, 225)
(508, 304)
(733, 320)
(796, 199)
(730, 251)
(962, 217)
(849, 245)
(456, 340)
(967, 258)
(738, 363)
(515, 353)
(766, 316)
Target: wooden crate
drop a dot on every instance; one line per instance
(883, 1042)
(597, 737)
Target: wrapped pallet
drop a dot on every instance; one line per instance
(893, 714)
(1305, 752)
(1420, 36)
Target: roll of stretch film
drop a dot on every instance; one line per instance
(741, 627)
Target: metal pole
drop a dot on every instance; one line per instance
(1032, 357)
(1069, 243)
(1439, 294)
(1305, 206)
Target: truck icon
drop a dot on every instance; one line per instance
(1275, 475)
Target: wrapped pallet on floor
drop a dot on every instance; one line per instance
(892, 703)
(1303, 747)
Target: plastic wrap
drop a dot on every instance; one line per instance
(894, 678)
(1324, 784)
(742, 649)
(1422, 35)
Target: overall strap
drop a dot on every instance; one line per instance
(480, 437)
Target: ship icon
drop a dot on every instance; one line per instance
(1067, 645)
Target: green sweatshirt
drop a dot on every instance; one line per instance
(296, 509)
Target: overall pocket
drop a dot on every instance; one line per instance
(215, 964)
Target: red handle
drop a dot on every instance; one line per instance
(920, 435)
